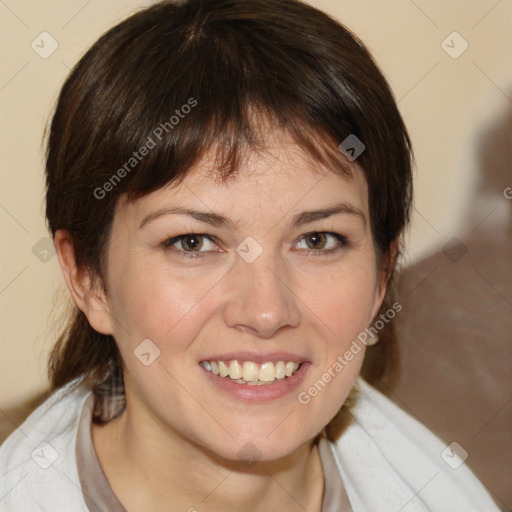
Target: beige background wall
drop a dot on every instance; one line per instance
(448, 104)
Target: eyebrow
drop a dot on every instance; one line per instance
(217, 220)
(340, 208)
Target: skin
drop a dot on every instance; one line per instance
(178, 439)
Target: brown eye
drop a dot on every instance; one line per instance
(192, 242)
(322, 242)
(316, 240)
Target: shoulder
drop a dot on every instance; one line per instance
(37, 461)
(390, 461)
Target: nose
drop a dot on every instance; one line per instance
(260, 302)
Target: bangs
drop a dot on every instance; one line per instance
(174, 151)
(155, 121)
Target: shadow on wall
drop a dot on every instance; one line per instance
(455, 331)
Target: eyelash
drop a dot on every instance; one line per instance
(343, 242)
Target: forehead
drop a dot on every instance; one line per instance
(280, 175)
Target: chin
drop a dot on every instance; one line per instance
(264, 443)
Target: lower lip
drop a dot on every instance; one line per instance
(259, 393)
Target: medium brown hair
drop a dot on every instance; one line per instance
(227, 59)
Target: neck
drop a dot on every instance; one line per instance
(151, 472)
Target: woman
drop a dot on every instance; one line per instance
(227, 187)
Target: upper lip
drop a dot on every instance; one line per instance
(257, 357)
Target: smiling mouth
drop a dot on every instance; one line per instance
(248, 372)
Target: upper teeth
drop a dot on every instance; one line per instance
(251, 372)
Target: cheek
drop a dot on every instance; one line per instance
(342, 300)
(151, 302)
(341, 309)
(341, 304)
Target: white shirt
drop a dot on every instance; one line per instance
(387, 461)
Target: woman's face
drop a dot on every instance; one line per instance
(281, 268)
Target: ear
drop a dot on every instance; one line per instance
(90, 299)
(383, 277)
